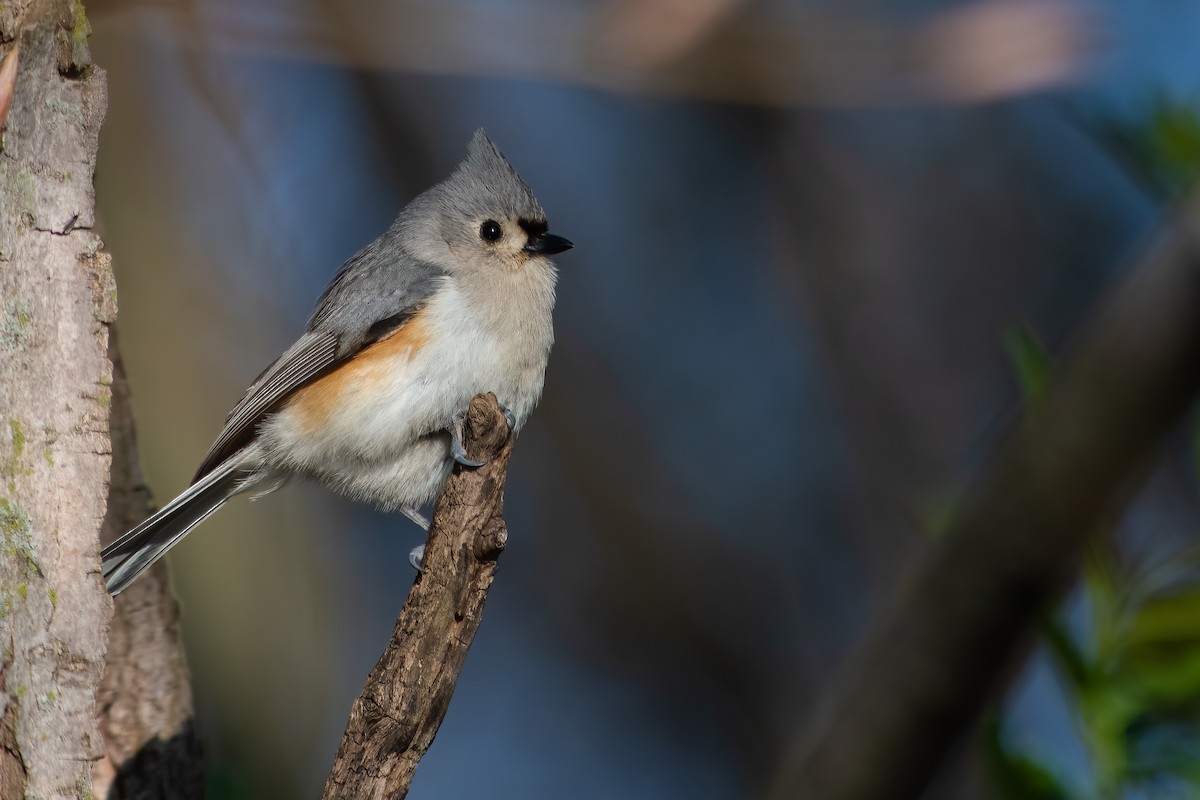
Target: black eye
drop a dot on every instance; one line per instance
(490, 231)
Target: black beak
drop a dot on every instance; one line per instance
(547, 244)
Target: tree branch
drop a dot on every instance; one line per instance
(394, 720)
(964, 614)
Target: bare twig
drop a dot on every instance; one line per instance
(961, 620)
(394, 720)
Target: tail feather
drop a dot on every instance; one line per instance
(129, 556)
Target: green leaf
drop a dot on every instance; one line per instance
(1175, 131)
(1160, 146)
(1107, 710)
(938, 514)
(1166, 619)
(1105, 581)
(1067, 653)
(1016, 775)
(1029, 360)
(1163, 678)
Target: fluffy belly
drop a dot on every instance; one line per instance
(411, 479)
(380, 447)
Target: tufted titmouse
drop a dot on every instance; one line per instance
(454, 299)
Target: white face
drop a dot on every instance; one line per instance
(498, 243)
(504, 241)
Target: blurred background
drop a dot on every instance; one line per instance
(824, 252)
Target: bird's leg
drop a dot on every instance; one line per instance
(460, 455)
(416, 516)
(417, 554)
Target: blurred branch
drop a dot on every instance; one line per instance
(649, 33)
(961, 619)
(394, 720)
(715, 50)
(145, 699)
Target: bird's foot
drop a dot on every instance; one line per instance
(416, 557)
(456, 443)
(456, 436)
(418, 553)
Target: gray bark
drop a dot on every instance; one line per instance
(57, 299)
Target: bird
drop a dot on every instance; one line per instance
(454, 299)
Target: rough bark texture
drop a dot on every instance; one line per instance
(918, 684)
(394, 720)
(57, 299)
(145, 700)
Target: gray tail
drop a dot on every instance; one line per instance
(133, 553)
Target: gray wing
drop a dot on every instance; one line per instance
(372, 295)
(381, 281)
(300, 363)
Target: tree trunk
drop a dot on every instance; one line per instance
(57, 303)
(57, 300)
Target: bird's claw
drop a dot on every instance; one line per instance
(456, 443)
(416, 557)
(456, 436)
